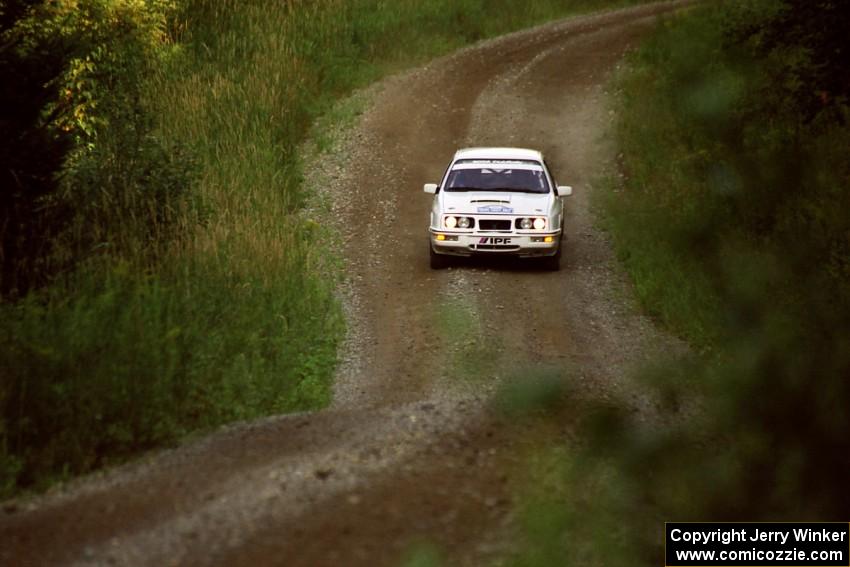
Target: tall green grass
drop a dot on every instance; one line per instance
(189, 289)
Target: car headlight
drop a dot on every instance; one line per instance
(463, 222)
(450, 222)
(537, 223)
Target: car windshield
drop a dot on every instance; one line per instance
(497, 175)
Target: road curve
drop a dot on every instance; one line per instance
(411, 449)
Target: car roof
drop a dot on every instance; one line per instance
(498, 153)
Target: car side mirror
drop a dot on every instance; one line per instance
(564, 190)
(431, 188)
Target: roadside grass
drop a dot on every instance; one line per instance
(471, 354)
(207, 299)
(667, 280)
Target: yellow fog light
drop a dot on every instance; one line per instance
(549, 239)
(441, 237)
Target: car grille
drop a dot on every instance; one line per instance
(489, 224)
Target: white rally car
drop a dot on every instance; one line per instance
(497, 201)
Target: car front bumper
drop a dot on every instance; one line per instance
(471, 243)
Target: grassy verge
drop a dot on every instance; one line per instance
(184, 288)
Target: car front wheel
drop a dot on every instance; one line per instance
(438, 261)
(552, 263)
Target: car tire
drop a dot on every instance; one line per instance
(553, 263)
(438, 261)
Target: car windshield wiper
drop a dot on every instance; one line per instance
(495, 190)
(515, 190)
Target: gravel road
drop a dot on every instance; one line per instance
(411, 449)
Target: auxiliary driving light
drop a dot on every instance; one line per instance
(549, 239)
(463, 222)
(525, 224)
(441, 237)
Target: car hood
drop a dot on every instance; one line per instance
(480, 202)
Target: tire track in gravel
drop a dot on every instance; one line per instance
(410, 448)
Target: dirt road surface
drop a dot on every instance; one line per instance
(412, 449)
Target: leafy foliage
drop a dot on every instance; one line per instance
(805, 44)
(83, 161)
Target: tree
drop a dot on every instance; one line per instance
(30, 154)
